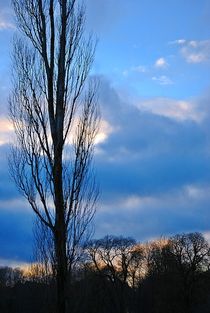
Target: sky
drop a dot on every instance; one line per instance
(153, 159)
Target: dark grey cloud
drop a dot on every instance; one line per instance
(159, 166)
(15, 217)
(15, 235)
(148, 153)
(180, 211)
(8, 190)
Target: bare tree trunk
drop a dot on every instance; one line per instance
(62, 272)
(60, 239)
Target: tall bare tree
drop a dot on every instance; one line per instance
(53, 108)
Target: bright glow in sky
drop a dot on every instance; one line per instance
(153, 149)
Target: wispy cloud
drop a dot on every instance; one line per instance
(15, 205)
(179, 110)
(156, 214)
(6, 19)
(160, 63)
(162, 80)
(177, 42)
(135, 69)
(139, 69)
(6, 25)
(13, 263)
(194, 51)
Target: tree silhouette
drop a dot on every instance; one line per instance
(54, 112)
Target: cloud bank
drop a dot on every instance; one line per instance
(154, 167)
(153, 164)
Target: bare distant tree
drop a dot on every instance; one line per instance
(112, 258)
(191, 251)
(192, 254)
(55, 118)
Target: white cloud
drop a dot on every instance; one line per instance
(175, 109)
(6, 25)
(178, 42)
(6, 131)
(104, 131)
(197, 192)
(125, 214)
(13, 263)
(194, 58)
(193, 43)
(162, 80)
(161, 63)
(132, 202)
(181, 41)
(15, 205)
(194, 51)
(206, 235)
(6, 18)
(137, 202)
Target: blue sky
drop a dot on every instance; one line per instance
(153, 155)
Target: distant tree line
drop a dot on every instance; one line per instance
(119, 275)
